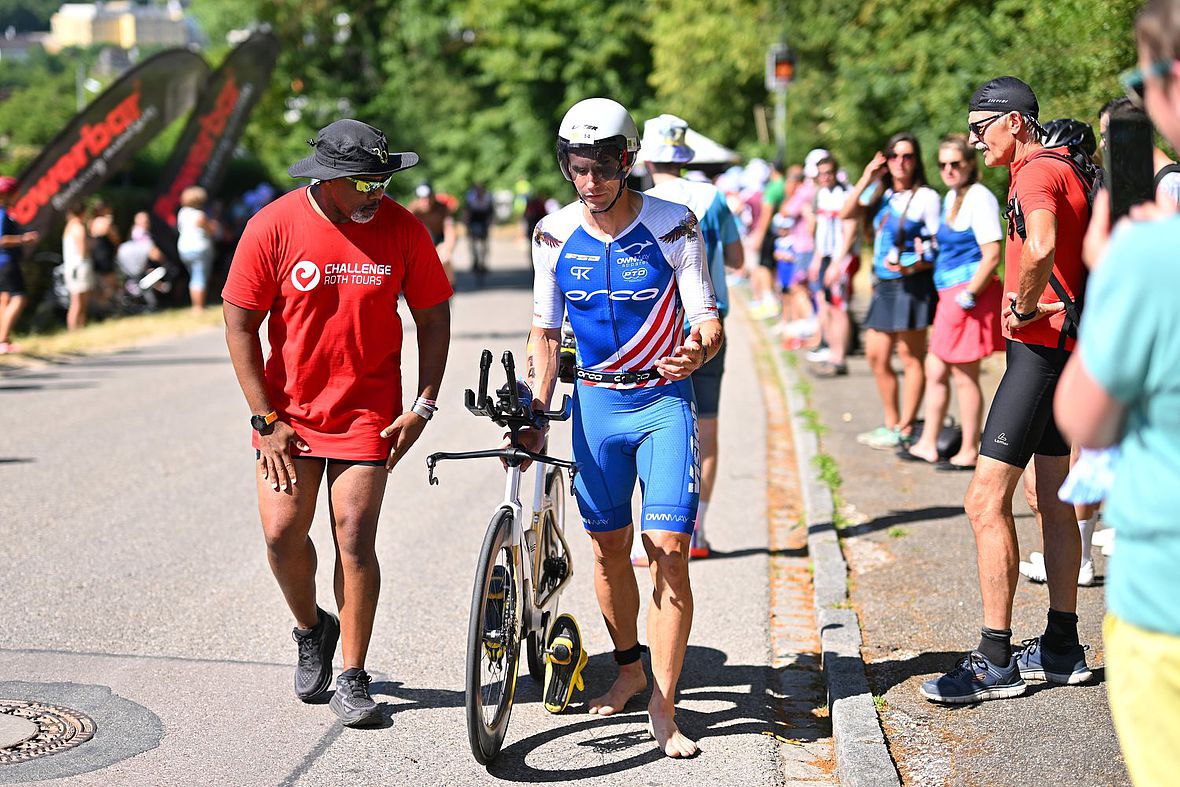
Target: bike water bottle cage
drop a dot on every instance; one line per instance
(630, 655)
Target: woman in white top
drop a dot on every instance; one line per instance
(195, 242)
(79, 272)
(967, 325)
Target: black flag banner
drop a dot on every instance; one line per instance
(203, 152)
(106, 134)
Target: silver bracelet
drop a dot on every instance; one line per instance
(423, 411)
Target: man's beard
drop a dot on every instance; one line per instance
(363, 215)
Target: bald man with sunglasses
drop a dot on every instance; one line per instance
(327, 264)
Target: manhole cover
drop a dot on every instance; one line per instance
(49, 729)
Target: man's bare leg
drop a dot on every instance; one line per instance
(618, 598)
(286, 520)
(1061, 540)
(989, 507)
(354, 501)
(669, 621)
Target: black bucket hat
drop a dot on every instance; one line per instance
(350, 148)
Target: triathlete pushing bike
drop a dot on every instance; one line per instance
(627, 267)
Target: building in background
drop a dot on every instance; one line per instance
(122, 24)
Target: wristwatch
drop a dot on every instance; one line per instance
(1022, 317)
(260, 423)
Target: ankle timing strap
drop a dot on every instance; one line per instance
(630, 655)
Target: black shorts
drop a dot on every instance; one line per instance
(330, 461)
(1020, 422)
(12, 279)
(706, 385)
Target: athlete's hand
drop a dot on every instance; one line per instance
(1043, 310)
(832, 274)
(685, 359)
(405, 431)
(274, 455)
(528, 439)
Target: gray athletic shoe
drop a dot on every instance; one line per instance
(313, 673)
(352, 702)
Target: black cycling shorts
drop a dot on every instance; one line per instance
(1020, 422)
(332, 461)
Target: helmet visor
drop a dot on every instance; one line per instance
(604, 161)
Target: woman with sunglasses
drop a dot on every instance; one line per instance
(904, 214)
(966, 324)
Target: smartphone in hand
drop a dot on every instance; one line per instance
(1130, 169)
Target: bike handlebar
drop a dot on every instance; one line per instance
(507, 409)
(513, 455)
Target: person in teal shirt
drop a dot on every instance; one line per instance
(1122, 387)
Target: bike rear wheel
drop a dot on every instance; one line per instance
(555, 494)
(493, 645)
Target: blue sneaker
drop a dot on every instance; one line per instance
(1036, 663)
(975, 679)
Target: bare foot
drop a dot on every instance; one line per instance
(964, 460)
(668, 736)
(630, 682)
(925, 452)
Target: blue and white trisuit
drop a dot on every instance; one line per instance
(627, 299)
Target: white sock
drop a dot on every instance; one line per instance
(699, 531)
(1086, 528)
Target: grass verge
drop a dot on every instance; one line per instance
(114, 334)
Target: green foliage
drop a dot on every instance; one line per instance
(27, 15)
(477, 87)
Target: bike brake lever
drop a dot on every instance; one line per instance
(430, 462)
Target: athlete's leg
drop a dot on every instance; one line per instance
(286, 521)
(911, 348)
(669, 621)
(707, 429)
(878, 352)
(354, 503)
(10, 309)
(1059, 529)
(966, 376)
(618, 599)
(989, 507)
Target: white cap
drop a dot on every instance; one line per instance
(664, 141)
(424, 190)
(811, 163)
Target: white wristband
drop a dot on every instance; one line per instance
(423, 411)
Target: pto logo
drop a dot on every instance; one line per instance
(305, 276)
(634, 274)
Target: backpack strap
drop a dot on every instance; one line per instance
(1073, 310)
(1164, 172)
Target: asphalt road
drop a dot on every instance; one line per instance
(135, 588)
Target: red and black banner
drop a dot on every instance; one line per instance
(203, 152)
(106, 134)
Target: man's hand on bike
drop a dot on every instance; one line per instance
(404, 431)
(530, 440)
(274, 454)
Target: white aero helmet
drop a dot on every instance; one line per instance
(594, 127)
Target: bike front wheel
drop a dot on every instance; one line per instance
(493, 641)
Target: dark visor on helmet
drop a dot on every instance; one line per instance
(605, 161)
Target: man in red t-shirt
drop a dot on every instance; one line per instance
(1048, 214)
(326, 264)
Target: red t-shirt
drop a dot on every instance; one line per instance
(1048, 183)
(334, 370)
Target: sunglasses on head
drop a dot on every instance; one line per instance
(368, 186)
(902, 156)
(1135, 80)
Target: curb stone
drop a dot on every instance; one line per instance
(862, 757)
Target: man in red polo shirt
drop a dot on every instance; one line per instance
(1048, 214)
(327, 263)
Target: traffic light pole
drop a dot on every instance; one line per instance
(780, 123)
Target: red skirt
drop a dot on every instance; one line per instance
(966, 335)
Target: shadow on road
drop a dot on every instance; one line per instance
(893, 519)
(513, 279)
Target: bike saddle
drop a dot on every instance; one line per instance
(565, 658)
